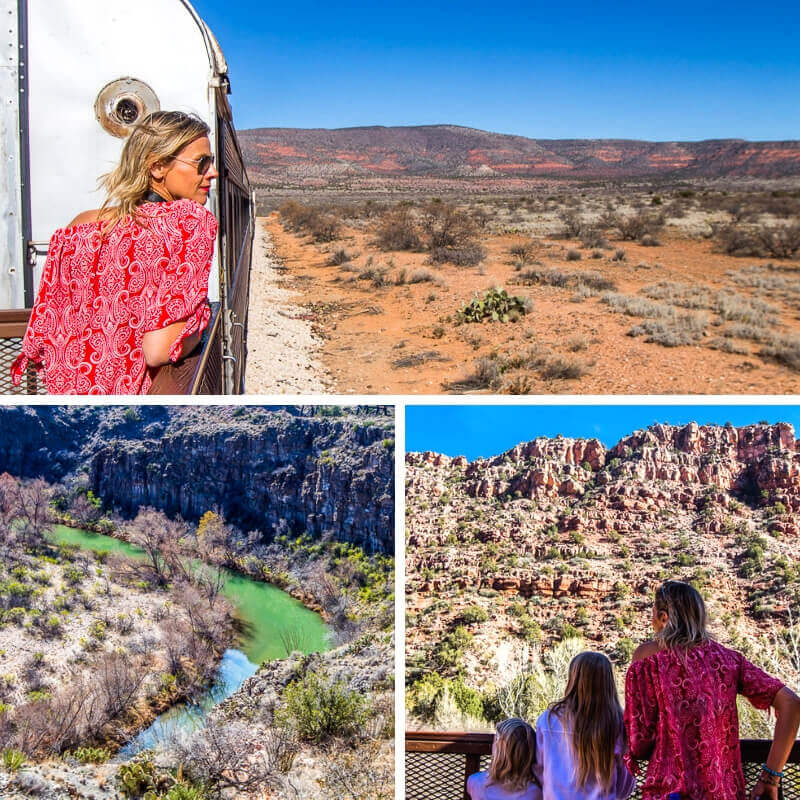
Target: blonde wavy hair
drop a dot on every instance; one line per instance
(686, 615)
(159, 137)
(513, 755)
(591, 708)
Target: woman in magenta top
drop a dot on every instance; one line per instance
(680, 707)
(124, 288)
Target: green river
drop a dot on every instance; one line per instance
(265, 613)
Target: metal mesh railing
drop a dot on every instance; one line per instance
(437, 764)
(12, 329)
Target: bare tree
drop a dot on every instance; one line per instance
(161, 538)
(210, 581)
(32, 511)
(223, 756)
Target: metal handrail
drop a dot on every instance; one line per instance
(474, 746)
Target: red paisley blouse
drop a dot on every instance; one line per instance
(99, 295)
(680, 712)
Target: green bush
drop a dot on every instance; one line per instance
(319, 708)
(473, 614)
(468, 701)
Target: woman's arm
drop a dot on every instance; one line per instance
(156, 344)
(787, 712)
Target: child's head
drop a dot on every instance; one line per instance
(591, 708)
(513, 754)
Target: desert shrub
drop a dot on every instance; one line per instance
(563, 368)
(550, 277)
(573, 255)
(634, 226)
(522, 253)
(623, 650)
(496, 305)
(422, 276)
(573, 224)
(449, 651)
(785, 350)
(593, 280)
(362, 773)
(319, 708)
(485, 375)
(619, 255)
(593, 238)
(736, 307)
(680, 294)
(446, 225)
(636, 306)
(473, 614)
(399, 229)
(467, 255)
(782, 241)
(726, 346)
(338, 257)
(467, 700)
(323, 227)
(648, 240)
(686, 329)
(769, 279)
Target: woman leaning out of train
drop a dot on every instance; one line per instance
(125, 287)
(580, 739)
(680, 707)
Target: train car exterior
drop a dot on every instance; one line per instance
(78, 75)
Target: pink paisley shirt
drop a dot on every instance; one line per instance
(99, 295)
(680, 712)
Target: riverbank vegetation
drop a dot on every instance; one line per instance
(117, 639)
(93, 646)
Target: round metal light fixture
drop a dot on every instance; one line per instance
(123, 103)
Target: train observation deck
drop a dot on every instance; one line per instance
(437, 765)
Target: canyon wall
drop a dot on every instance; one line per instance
(271, 470)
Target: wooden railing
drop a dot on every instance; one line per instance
(437, 765)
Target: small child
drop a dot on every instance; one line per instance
(510, 775)
(580, 739)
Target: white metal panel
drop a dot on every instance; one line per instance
(76, 47)
(11, 252)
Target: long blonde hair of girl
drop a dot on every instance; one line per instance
(686, 615)
(513, 755)
(591, 707)
(159, 137)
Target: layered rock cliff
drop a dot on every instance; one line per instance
(287, 470)
(576, 536)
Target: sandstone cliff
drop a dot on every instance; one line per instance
(575, 536)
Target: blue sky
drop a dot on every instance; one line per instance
(486, 430)
(677, 71)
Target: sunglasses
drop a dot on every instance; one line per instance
(203, 164)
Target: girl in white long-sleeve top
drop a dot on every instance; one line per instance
(580, 740)
(510, 775)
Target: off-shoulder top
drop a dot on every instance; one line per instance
(100, 294)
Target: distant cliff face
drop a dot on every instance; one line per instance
(576, 536)
(545, 504)
(454, 151)
(266, 470)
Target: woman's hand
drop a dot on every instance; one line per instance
(763, 791)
